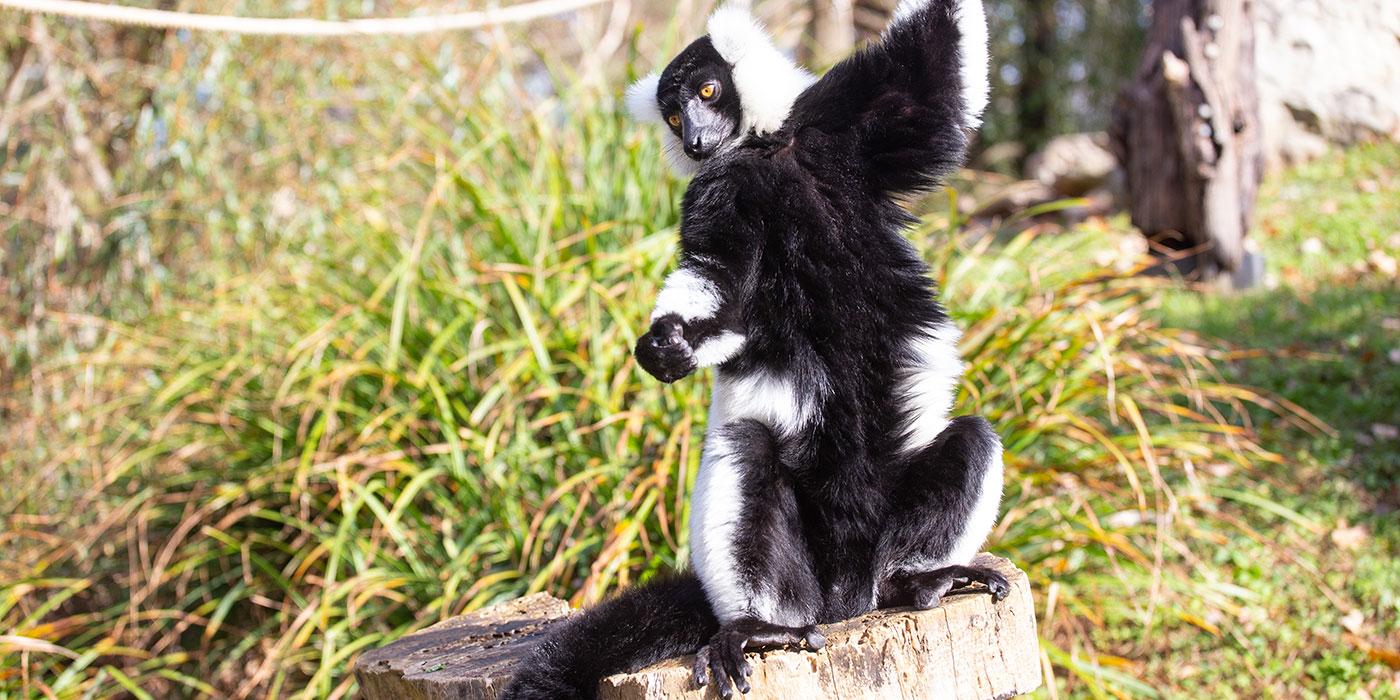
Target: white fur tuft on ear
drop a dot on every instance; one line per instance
(768, 81)
(972, 52)
(640, 99)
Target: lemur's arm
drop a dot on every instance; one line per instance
(903, 108)
(696, 322)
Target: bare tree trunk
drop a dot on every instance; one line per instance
(1033, 92)
(1187, 132)
(838, 25)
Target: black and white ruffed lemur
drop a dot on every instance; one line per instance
(833, 481)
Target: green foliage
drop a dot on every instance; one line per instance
(407, 392)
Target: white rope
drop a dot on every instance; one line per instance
(268, 26)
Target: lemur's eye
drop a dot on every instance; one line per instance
(707, 91)
(674, 120)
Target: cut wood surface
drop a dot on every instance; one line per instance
(968, 648)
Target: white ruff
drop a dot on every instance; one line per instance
(972, 53)
(719, 349)
(768, 81)
(769, 399)
(687, 295)
(928, 384)
(715, 507)
(641, 99)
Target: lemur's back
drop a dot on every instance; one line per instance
(842, 306)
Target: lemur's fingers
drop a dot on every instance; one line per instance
(814, 638)
(996, 584)
(718, 675)
(668, 330)
(700, 673)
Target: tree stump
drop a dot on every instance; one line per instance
(1187, 130)
(968, 648)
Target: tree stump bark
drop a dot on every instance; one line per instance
(1187, 130)
(968, 648)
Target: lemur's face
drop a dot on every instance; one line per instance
(697, 99)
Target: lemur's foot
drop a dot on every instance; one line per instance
(664, 352)
(926, 590)
(722, 660)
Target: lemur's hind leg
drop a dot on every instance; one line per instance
(943, 509)
(748, 548)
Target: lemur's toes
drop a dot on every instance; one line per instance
(814, 638)
(700, 672)
(997, 585)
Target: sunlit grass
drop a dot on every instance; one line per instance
(419, 399)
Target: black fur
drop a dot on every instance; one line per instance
(800, 234)
(663, 618)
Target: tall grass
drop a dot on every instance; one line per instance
(428, 404)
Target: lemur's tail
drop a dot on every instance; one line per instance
(640, 626)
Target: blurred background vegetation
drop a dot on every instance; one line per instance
(310, 344)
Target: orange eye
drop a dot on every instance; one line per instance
(674, 120)
(707, 90)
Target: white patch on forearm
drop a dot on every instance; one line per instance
(927, 384)
(719, 349)
(688, 295)
(972, 53)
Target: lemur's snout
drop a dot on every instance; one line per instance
(695, 148)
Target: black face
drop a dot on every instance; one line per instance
(698, 100)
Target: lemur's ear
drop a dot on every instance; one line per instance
(767, 80)
(641, 99)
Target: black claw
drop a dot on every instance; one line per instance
(998, 587)
(700, 672)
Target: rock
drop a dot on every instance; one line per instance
(1329, 73)
(1074, 164)
(968, 648)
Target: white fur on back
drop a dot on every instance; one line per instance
(768, 81)
(972, 53)
(983, 518)
(717, 501)
(715, 506)
(928, 384)
(687, 295)
(768, 398)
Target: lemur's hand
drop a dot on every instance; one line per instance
(664, 352)
(722, 663)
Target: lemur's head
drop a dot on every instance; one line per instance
(724, 85)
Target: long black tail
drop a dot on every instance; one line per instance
(664, 618)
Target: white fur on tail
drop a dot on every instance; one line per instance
(972, 53)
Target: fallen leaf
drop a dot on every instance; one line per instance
(1350, 537)
(1383, 263)
(1330, 207)
(1312, 246)
(1385, 431)
(1394, 356)
(1352, 621)
(1387, 657)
